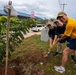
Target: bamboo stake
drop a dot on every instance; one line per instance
(7, 37)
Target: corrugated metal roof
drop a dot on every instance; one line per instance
(39, 17)
(2, 12)
(23, 14)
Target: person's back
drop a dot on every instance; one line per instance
(71, 28)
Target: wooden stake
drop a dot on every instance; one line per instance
(7, 38)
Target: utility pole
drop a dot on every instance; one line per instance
(63, 6)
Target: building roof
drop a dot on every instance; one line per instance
(39, 17)
(21, 14)
(2, 12)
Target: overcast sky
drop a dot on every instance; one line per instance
(43, 8)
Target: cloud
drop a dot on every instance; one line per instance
(43, 8)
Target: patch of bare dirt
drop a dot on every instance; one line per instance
(28, 65)
(9, 72)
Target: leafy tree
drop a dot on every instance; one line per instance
(3, 19)
(17, 30)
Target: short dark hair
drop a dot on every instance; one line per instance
(48, 25)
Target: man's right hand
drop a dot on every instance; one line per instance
(51, 46)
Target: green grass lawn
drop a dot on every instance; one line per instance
(34, 45)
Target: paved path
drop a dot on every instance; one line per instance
(32, 33)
